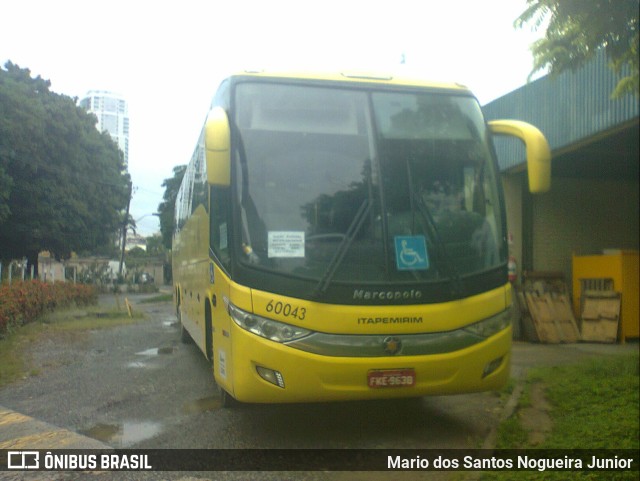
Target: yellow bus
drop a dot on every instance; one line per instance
(342, 237)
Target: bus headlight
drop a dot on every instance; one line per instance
(490, 326)
(267, 328)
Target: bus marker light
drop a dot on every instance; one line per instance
(269, 375)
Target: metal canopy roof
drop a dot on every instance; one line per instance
(590, 134)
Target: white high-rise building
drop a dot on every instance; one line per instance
(112, 112)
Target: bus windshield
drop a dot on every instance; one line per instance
(344, 185)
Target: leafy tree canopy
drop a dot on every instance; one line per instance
(62, 183)
(576, 29)
(166, 208)
(155, 246)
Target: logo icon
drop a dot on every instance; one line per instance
(23, 460)
(392, 345)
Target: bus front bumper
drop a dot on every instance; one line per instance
(268, 372)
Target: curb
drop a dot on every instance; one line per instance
(507, 412)
(18, 431)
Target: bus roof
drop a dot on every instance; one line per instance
(354, 76)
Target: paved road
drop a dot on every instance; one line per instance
(137, 386)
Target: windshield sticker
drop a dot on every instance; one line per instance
(411, 253)
(286, 244)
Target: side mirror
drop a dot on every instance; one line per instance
(537, 151)
(217, 141)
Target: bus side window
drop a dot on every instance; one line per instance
(199, 190)
(219, 234)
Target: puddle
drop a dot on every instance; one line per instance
(137, 364)
(149, 353)
(156, 351)
(124, 434)
(169, 323)
(202, 405)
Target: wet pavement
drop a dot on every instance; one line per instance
(527, 355)
(20, 431)
(172, 394)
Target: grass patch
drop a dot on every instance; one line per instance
(158, 298)
(594, 405)
(511, 434)
(67, 325)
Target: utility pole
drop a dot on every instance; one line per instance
(125, 223)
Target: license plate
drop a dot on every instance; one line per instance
(389, 378)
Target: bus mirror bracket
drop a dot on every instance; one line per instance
(217, 146)
(537, 151)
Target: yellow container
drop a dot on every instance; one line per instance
(621, 267)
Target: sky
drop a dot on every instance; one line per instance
(168, 57)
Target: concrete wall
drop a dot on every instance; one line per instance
(583, 217)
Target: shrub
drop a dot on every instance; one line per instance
(23, 302)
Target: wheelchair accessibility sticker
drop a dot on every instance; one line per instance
(411, 253)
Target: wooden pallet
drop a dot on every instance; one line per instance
(600, 315)
(548, 309)
(552, 317)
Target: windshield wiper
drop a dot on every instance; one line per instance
(347, 240)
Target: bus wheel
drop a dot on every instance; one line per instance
(185, 337)
(227, 400)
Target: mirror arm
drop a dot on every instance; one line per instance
(537, 148)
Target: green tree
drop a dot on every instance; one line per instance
(67, 185)
(166, 208)
(155, 246)
(576, 29)
(5, 189)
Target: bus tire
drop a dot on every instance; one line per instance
(185, 337)
(227, 401)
